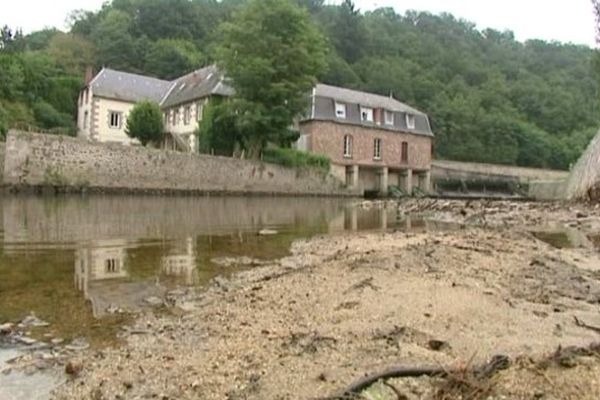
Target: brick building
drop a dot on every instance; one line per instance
(373, 141)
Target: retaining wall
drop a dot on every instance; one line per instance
(46, 160)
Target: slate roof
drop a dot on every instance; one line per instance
(133, 87)
(198, 84)
(128, 87)
(363, 98)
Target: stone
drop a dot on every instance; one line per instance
(31, 321)
(26, 340)
(154, 301)
(74, 367)
(267, 232)
(78, 344)
(6, 328)
(437, 345)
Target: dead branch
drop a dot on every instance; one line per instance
(485, 371)
(582, 324)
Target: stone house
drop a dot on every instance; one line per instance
(106, 100)
(373, 141)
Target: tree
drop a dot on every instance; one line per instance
(72, 52)
(273, 54)
(145, 122)
(172, 58)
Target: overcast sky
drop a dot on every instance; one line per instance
(561, 20)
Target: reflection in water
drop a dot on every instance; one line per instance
(180, 264)
(124, 249)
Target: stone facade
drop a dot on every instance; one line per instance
(48, 160)
(374, 173)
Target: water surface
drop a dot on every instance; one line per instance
(81, 263)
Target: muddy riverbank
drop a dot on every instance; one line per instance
(347, 304)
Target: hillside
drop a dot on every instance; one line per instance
(490, 97)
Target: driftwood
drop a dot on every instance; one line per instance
(582, 324)
(497, 363)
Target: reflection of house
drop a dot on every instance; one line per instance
(373, 141)
(181, 263)
(107, 99)
(104, 260)
(101, 274)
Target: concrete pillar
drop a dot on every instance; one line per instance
(354, 219)
(355, 176)
(408, 185)
(383, 181)
(427, 181)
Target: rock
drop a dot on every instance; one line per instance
(31, 321)
(74, 367)
(78, 344)
(237, 261)
(437, 345)
(6, 328)
(57, 341)
(154, 301)
(26, 340)
(267, 232)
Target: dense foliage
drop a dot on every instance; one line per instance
(272, 54)
(145, 123)
(490, 97)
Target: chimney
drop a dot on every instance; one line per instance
(89, 75)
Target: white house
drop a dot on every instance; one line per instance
(106, 100)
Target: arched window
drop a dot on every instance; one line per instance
(347, 146)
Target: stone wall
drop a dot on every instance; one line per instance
(444, 169)
(46, 160)
(547, 190)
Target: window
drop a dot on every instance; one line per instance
(366, 114)
(348, 146)
(199, 111)
(168, 117)
(85, 120)
(340, 110)
(410, 121)
(377, 149)
(404, 155)
(111, 265)
(114, 119)
(187, 111)
(175, 117)
(389, 117)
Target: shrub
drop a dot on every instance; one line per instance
(145, 122)
(296, 159)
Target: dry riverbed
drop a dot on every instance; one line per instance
(343, 306)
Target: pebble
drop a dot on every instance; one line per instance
(26, 340)
(154, 301)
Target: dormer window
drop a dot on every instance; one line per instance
(366, 114)
(410, 121)
(389, 117)
(340, 110)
